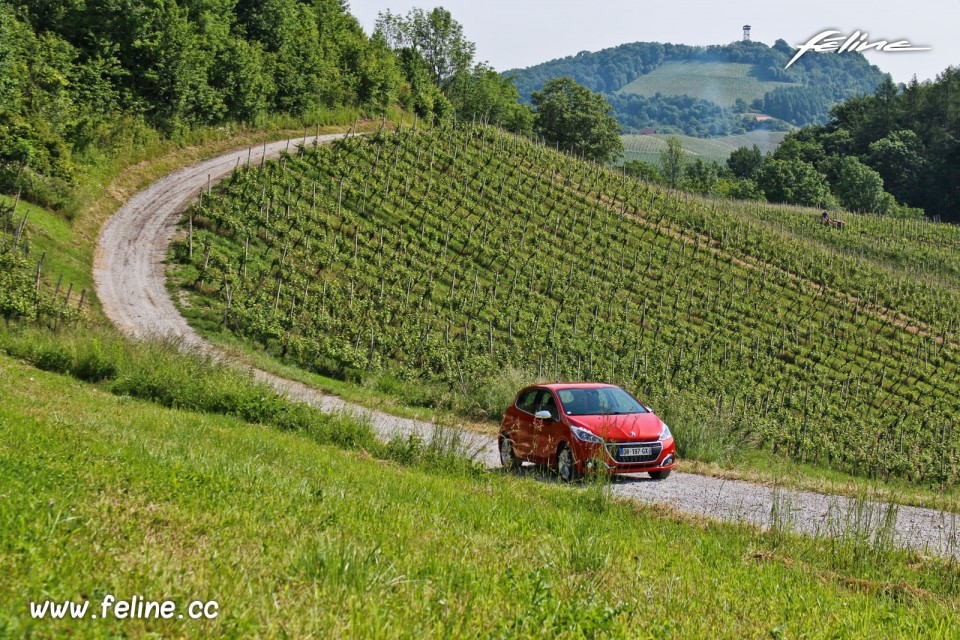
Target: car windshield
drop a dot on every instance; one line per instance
(596, 401)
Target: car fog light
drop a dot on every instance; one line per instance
(667, 460)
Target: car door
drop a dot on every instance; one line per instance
(547, 433)
(521, 427)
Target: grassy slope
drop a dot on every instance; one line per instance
(109, 495)
(719, 82)
(648, 147)
(49, 233)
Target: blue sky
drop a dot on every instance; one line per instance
(521, 33)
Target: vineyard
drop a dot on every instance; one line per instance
(719, 82)
(648, 147)
(450, 255)
(25, 292)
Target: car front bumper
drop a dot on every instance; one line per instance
(601, 457)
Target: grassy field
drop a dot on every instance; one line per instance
(648, 147)
(112, 495)
(718, 82)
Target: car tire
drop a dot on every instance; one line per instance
(567, 469)
(660, 475)
(508, 457)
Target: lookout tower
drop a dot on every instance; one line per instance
(746, 32)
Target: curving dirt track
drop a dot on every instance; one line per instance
(129, 269)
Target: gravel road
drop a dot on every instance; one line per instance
(129, 269)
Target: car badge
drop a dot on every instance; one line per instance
(633, 433)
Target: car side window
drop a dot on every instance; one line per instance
(549, 403)
(527, 400)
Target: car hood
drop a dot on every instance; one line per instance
(634, 427)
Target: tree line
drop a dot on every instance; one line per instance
(785, 176)
(906, 136)
(81, 82)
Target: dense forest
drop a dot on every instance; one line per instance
(909, 135)
(692, 116)
(82, 81)
(821, 81)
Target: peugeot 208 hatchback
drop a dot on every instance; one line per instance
(575, 427)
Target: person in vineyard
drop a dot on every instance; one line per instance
(827, 221)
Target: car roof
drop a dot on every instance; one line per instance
(557, 386)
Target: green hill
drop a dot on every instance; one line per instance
(678, 88)
(451, 260)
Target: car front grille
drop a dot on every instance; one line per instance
(613, 448)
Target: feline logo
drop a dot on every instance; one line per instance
(831, 41)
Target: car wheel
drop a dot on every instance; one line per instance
(660, 475)
(566, 465)
(508, 458)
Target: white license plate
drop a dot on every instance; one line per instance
(635, 451)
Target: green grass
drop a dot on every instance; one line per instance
(105, 494)
(648, 147)
(157, 371)
(380, 392)
(718, 82)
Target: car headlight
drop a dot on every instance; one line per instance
(665, 431)
(585, 435)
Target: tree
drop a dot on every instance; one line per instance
(672, 161)
(420, 94)
(899, 159)
(577, 120)
(745, 161)
(701, 177)
(641, 169)
(794, 182)
(435, 36)
(488, 96)
(740, 189)
(860, 188)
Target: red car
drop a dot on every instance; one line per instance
(575, 427)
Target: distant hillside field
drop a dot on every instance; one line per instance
(678, 88)
(648, 147)
(718, 82)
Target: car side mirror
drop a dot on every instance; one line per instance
(543, 415)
